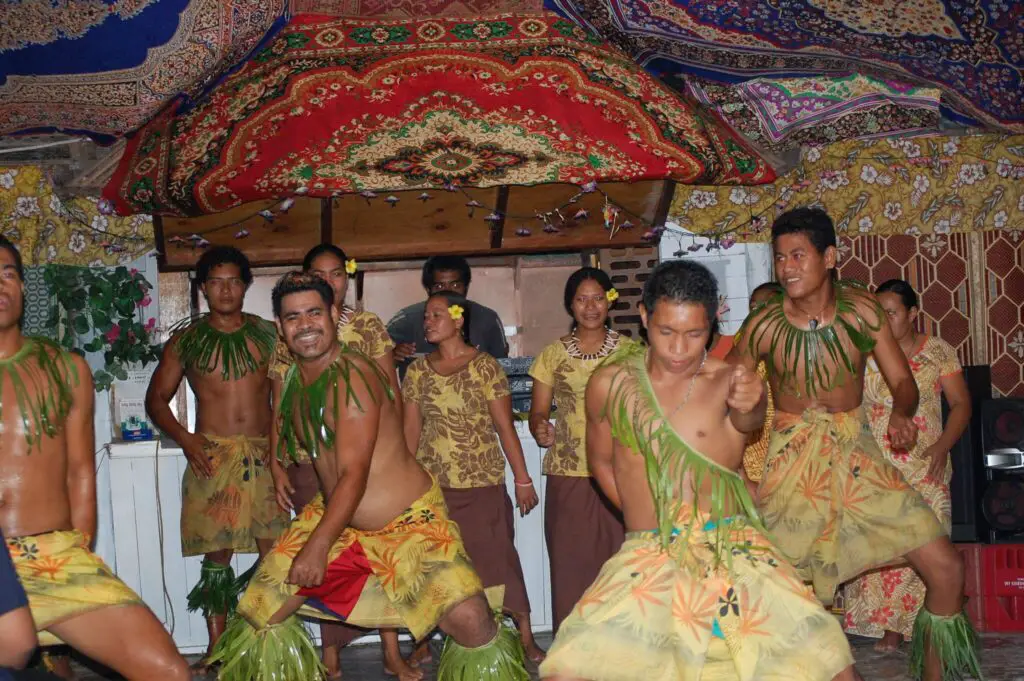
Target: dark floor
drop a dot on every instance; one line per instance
(1003, 660)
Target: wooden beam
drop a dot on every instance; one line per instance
(326, 230)
(161, 245)
(498, 228)
(664, 203)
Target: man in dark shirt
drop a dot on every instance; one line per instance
(445, 273)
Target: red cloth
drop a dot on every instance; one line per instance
(343, 582)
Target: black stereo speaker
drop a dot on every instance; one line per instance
(1002, 435)
(969, 475)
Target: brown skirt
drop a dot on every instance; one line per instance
(307, 485)
(583, 530)
(485, 518)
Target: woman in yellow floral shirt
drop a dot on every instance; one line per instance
(297, 485)
(884, 603)
(457, 408)
(581, 527)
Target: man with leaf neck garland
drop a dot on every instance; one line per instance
(376, 549)
(831, 501)
(228, 501)
(697, 591)
(48, 502)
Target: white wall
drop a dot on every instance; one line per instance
(103, 422)
(739, 269)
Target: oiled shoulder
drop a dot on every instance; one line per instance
(751, 339)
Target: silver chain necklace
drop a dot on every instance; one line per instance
(689, 389)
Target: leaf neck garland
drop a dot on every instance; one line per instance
(301, 415)
(202, 347)
(638, 422)
(820, 353)
(42, 375)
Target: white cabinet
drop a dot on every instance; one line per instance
(145, 480)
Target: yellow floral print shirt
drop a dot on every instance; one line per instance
(358, 329)
(563, 367)
(458, 444)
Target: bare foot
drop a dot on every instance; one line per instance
(534, 653)
(399, 667)
(421, 655)
(889, 643)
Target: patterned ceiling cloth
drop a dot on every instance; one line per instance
(104, 67)
(919, 186)
(973, 50)
(79, 231)
(782, 114)
(350, 105)
(412, 8)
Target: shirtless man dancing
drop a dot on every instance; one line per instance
(48, 502)
(228, 502)
(832, 502)
(376, 549)
(697, 590)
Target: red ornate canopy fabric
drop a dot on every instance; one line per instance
(349, 105)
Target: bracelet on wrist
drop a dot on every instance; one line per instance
(528, 483)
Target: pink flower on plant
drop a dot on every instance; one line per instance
(134, 271)
(113, 334)
(145, 302)
(151, 324)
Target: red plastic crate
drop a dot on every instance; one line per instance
(973, 578)
(1002, 569)
(996, 613)
(993, 569)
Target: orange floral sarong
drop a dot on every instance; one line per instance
(692, 614)
(833, 504)
(406, 575)
(63, 578)
(236, 505)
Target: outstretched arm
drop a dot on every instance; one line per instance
(356, 425)
(747, 399)
(895, 369)
(81, 453)
(600, 444)
(745, 352)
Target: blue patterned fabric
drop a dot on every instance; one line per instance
(973, 50)
(104, 67)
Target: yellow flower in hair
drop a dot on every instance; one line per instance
(455, 311)
(612, 295)
(351, 266)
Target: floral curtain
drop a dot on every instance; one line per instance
(911, 186)
(78, 231)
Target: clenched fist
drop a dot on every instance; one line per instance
(745, 390)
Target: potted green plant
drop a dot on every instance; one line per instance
(103, 309)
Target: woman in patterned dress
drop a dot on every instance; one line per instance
(297, 484)
(581, 527)
(457, 408)
(884, 603)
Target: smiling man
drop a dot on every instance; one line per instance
(228, 502)
(376, 549)
(828, 496)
